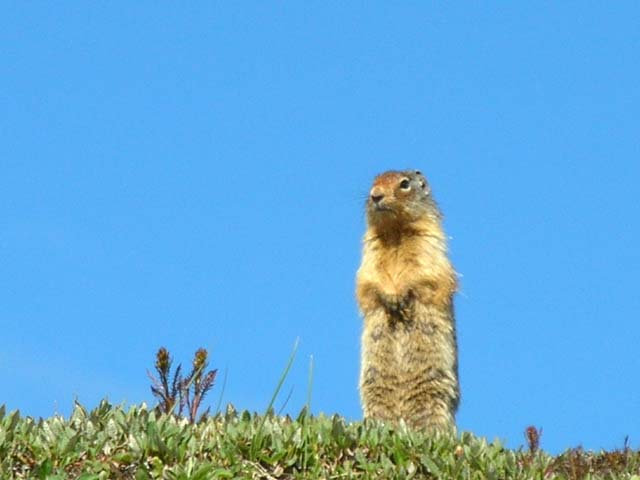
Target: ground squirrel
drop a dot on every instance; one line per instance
(405, 288)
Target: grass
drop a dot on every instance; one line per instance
(174, 441)
(141, 443)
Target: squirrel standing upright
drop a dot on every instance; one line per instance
(405, 287)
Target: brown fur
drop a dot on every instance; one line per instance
(405, 287)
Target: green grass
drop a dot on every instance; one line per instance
(137, 443)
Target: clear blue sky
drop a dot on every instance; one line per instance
(195, 175)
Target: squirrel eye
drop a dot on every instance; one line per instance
(405, 184)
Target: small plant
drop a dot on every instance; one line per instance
(185, 392)
(533, 434)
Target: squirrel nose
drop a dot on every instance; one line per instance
(376, 195)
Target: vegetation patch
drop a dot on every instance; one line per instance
(174, 441)
(141, 443)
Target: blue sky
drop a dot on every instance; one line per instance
(189, 176)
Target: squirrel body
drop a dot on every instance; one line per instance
(405, 287)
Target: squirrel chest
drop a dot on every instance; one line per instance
(415, 269)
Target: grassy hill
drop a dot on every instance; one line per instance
(137, 443)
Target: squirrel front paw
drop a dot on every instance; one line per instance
(397, 305)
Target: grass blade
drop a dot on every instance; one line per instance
(258, 435)
(224, 384)
(309, 385)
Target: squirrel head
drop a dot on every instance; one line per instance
(399, 198)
